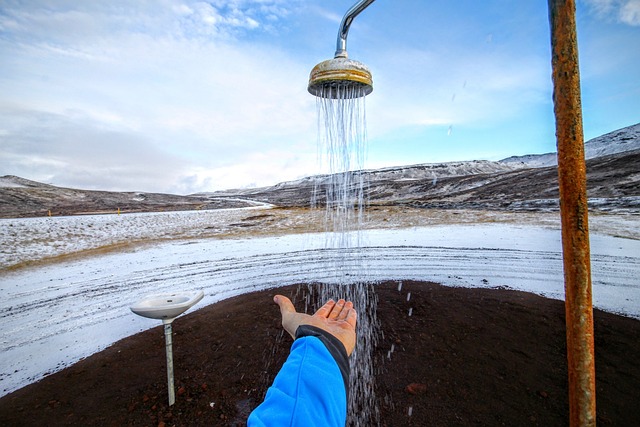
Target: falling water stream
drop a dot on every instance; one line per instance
(341, 150)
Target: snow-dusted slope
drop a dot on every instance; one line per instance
(523, 180)
(532, 160)
(11, 181)
(618, 141)
(438, 170)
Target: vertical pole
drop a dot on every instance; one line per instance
(169, 347)
(574, 213)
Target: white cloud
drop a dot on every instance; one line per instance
(75, 150)
(601, 7)
(623, 11)
(630, 13)
(255, 169)
(329, 15)
(194, 96)
(73, 22)
(194, 104)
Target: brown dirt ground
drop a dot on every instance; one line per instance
(464, 357)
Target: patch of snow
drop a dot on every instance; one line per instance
(32, 239)
(417, 172)
(54, 315)
(532, 160)
(253, 203)
(10, 182)
(619, 141)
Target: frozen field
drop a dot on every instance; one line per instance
(57, 312)
(24, 241)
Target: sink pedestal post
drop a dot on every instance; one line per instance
(167, 307)
(169, 348)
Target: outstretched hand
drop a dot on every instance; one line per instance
(337, 318)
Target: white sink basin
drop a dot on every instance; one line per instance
(166, 307)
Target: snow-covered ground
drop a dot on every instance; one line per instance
(56, 313)
(33, 239)
(28, 240)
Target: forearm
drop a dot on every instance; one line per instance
(333, 345)
(311, 387)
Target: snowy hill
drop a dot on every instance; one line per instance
(11, 181)
(619, 141)
(516, 183)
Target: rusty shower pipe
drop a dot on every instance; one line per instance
(572, 180)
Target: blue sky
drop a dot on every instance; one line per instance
(186, 96)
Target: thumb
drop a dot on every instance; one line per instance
(287, 310)
(285, 304)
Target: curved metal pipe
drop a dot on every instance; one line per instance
(343, 31)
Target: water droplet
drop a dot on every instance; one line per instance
(399, 286)
(410, 311)
(410, 410)
(408, 296)
(450, 130)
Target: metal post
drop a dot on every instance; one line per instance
(574, 213)
(169, 347)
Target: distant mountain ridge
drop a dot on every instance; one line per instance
(515, 183)
(12, 181)
(20, 197)
(618, 141)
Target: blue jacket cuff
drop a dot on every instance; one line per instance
(333, 344)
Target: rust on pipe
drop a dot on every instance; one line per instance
(574, 213)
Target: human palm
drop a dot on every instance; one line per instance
(337, 318)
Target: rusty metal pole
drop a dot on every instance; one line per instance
(573, 209)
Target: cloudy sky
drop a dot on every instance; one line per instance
(187, 96)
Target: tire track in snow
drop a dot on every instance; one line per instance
(53, 316)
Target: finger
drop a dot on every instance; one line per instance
(337, 309)
(325, 309)
(352, 317)
(345, 311)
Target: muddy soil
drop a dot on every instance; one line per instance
(463, 357)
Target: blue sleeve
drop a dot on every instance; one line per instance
(310, 389)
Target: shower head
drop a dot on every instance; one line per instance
(341, 77)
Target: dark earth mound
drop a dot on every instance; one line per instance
(463, 357)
